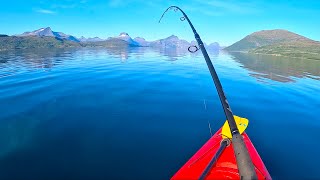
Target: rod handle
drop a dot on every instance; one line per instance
(245, 165)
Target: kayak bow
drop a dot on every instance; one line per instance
(219, 158)
(216, 159)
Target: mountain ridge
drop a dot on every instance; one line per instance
(277, 42)
(47, 32)
(123, 39)
(264, 38)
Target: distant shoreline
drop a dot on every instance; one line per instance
(273, 55)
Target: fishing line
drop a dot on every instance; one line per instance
(210, 128)
(193, 48)
(197, 72)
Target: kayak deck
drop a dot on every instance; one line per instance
(225, 167)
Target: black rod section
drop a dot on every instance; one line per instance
(223, 145)
(244, 162)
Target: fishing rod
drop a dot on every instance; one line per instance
(244, 162)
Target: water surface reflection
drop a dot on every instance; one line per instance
(97, 113)
(281, 69)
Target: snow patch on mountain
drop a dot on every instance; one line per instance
(94, 39)
(49, 33)
(125, 36)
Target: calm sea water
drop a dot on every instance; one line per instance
(141, 113)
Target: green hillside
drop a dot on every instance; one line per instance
(264, 38)
(278, 43)
(302, 49)
(32, 42)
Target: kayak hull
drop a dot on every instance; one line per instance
(225, 167)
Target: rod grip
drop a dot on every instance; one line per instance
(245, 165)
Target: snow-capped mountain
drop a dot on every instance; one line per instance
(95, 39)
(48, 32)
(40, 32)
(171, 42)
(142, 42)
(125, 36)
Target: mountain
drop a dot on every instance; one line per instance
(213, 46)
(47, 32)
(142, 42)
(176, 43)
(61, 35)
(172, 42)
(95, 39)
(109, 43)
(125, 36)
(34, 42)
(278, 43)
(40, 32)
(3, 35)
(264, 38)
(45, 42)
(38, 38)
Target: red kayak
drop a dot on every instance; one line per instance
(225, 165)
(226, 155)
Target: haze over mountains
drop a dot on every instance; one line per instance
(169, 42)
(271, 42)
(95, 39)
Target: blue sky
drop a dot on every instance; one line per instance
(223, 21)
